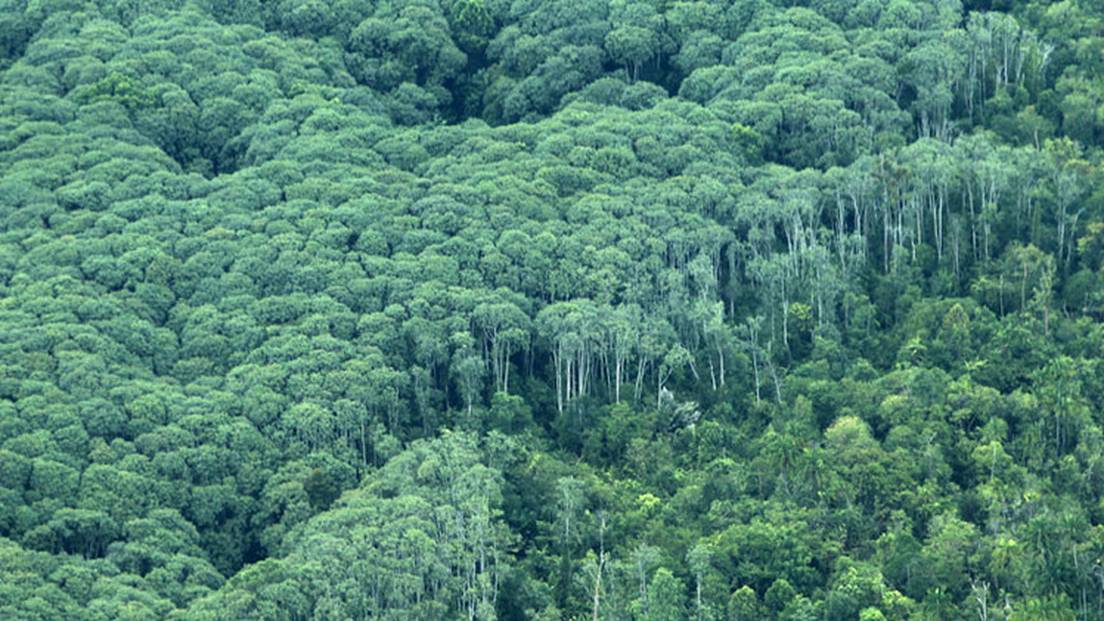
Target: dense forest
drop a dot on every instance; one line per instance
(633, 310)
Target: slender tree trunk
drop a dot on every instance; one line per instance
(617, 380)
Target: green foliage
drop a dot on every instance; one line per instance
(551, 309)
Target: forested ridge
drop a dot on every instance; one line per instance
(551, 309)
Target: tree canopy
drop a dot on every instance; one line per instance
(551, 309)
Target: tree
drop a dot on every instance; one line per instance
(504, 328)
(699, 558)
(467, 370)
(631, 46)
(665, 597)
